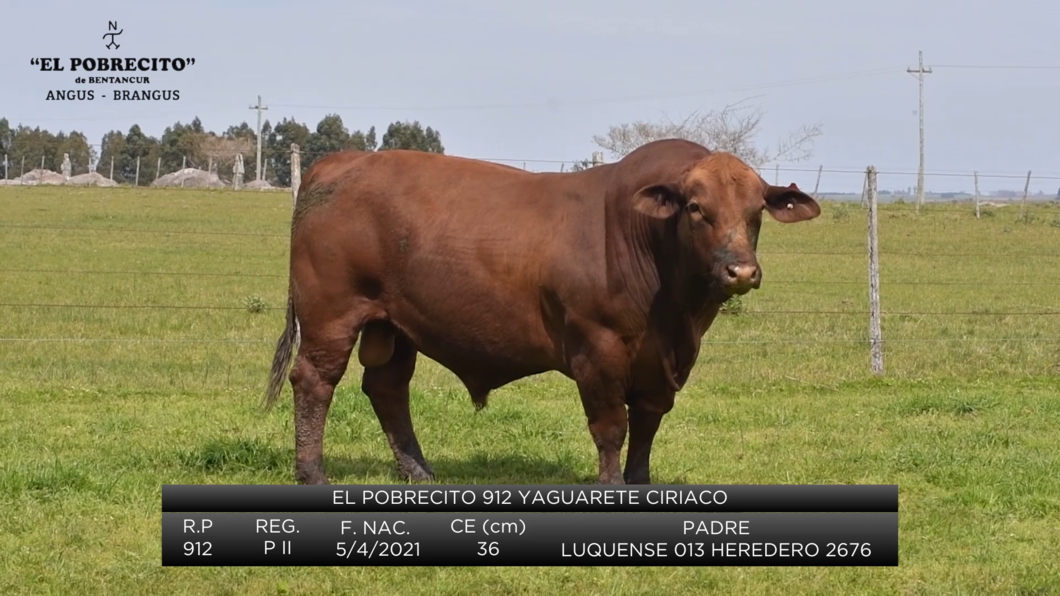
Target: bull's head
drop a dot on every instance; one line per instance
(716, 208)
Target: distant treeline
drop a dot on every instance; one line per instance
(196, 147)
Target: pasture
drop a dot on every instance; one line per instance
(137, 327)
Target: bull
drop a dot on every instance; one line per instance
(610, 276)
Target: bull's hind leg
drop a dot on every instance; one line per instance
(322, 359)
(387, 386)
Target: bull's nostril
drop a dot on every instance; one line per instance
(733, 271)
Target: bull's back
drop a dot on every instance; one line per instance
(457, 252)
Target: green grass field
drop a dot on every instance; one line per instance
(105, 401)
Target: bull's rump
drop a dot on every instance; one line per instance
(459, 254)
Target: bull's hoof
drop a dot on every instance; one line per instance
(638, 479)
(311, 474)
(313, 480)
(415, 473)
(637, 475)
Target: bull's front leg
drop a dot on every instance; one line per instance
(645, 415)
(598, 365)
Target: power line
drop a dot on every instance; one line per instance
(151, 115)
(606, 100)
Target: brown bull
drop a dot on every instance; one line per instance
(610, 276)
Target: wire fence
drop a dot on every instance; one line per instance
(200, 171)
(1045, 317)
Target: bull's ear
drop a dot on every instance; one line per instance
(788, 204)
(660, 201)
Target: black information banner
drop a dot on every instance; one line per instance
(529, 539)
(527, 498)
(521, 525)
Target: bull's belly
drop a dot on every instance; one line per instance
(487, 345)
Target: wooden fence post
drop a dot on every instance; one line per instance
(137, 171)
(296, 174)
(818, 184)
(5, 166)
(598, 158)
(1023, 204)
(183, 166)
(22, 171)
(158, 169)
(112, 167)
(875, 331)
(976, 174)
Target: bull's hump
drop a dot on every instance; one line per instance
(653, 162)
(673, 144)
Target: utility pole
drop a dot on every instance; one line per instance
(259, 108)
(920, 73)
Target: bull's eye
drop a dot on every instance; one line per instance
(693, 207)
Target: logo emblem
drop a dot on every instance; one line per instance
(111, 26)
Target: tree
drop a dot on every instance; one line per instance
(330, 136)
(411, 135)
(243, 131)
(732, 128)
(362, 141)
(113, 147)
(183, 141)
(221, 151)
(277, 146)
(198, 146)
(139, 145)
(5, 141)
(32, 144)
(5, 135)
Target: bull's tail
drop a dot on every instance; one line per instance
(281, 360)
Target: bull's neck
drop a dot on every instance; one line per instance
(651, 267)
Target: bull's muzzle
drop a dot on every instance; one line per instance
(741, 278)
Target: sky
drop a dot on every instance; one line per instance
(533, 82)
